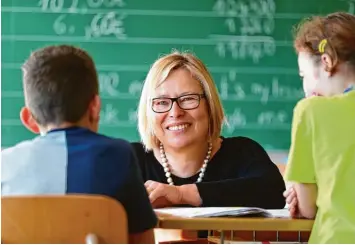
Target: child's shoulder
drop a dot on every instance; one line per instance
(105, 139)
(17, 150)
(319, 105)
(309, 102)
(118, 145)
(311, 105)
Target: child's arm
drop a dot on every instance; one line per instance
(133, 196)
(306, 195)
(300, 168)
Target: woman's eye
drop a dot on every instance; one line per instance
(162, 102)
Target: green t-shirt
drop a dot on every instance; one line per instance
(323, 153)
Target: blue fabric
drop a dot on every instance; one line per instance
(348, 89)
(33, 160)
(77, 160)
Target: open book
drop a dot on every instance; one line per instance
(222, 212)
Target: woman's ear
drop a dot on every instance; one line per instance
(28, 121)
(327, 64)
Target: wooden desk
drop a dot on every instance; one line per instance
(234, 224)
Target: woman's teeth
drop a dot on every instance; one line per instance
(178, 127)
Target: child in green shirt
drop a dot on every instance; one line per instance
(321, 163)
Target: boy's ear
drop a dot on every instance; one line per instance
(95, 108)
(28, 121)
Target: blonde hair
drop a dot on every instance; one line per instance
(157, 74)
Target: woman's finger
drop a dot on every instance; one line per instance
(156, 193)
(151, 184)
(161, 202)
(149, 190)
(148, 183)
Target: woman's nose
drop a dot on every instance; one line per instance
(175, 110)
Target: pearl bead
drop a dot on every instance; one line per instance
(164, 161)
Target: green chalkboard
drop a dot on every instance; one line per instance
(246, 44)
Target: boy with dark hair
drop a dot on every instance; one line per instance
(63, 105)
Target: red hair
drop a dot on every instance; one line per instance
(339, 31)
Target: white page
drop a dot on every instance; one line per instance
(208, 211)
(279, 213)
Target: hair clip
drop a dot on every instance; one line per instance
(321, 45)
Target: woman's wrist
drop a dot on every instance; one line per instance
(190, 195)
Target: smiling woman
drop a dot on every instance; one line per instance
(183, 158)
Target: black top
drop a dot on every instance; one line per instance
(239, 174)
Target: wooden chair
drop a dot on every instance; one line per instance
(63, 219)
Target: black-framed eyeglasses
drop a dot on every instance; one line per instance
(185, 102)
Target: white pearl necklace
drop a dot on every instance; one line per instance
(166, 165)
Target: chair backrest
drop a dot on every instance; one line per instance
(63, 219)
